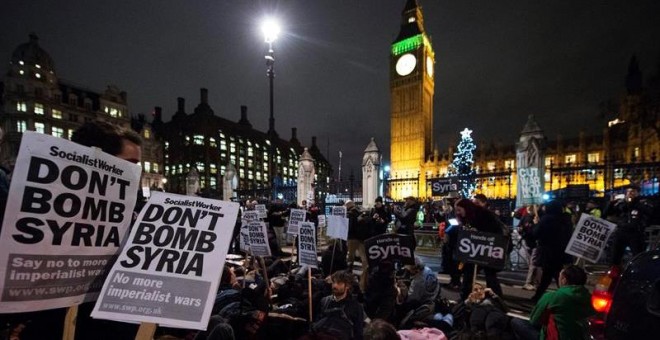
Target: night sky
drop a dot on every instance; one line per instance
(496, 61)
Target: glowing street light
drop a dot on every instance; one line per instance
(271, 30)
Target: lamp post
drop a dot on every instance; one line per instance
(271, 30)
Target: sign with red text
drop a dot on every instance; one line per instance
(169, 271)
(69, 211)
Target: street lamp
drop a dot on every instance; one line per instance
(271, 30)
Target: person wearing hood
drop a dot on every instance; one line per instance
(552, 235)
(561, 314)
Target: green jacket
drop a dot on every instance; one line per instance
(570, 306)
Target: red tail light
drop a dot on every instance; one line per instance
(601, 298)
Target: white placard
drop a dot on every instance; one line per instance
(70, 209)
(339, 211)
(261, 210)
(258, 239)
(321, 221)
(169, 270)
(244, 238)
(337, 227)
(250, 215)
(307, 245)
(590, 237)
(296, 218)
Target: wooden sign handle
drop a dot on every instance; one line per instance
(70, 323)
(146, 331)
(309, 285)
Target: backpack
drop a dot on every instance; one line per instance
(334, 322)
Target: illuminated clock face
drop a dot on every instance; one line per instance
(429, 66)
(406, 64)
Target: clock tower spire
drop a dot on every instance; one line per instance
(412, 62)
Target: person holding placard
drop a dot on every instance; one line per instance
(358, 231)
(632, 217)
(476, 217)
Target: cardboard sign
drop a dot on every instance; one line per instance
(390, 247)
(529, 181)
(258, 239)
(322, 222)
(296, 218)
(244, 237)
(261, 210)
(307, 245)
(590, 237)
(484, 249)
(250, 215)
(337, 227)
(339, 211)
(169, 270)
(70, 209)
(444, 186)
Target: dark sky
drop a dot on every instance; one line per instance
(496, 61)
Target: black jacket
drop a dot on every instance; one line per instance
(552, 234)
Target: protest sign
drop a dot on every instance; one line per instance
(244, 237)
(444, 186)
(531, 190)
(339, 210)
(169, 271)
(484, 249)
(261, 210)
(321, 221)
(307, 245)
(590, 237)
(296, 218)
(337, 227)
(258, 239)
(250, 215)
(70, 208)
(390, 247)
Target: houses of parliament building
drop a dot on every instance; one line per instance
(627, 151)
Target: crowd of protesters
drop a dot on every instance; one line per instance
(383, 301)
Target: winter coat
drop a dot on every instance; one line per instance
(552, 234)
(569, 306)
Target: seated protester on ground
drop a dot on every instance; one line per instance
(380, 330)
(487, 311)
(381, 293)
(247, 315)
(340, 314)
(560, 314)
(228, 291)
(330, 262)
(416, 301)
(218, 329)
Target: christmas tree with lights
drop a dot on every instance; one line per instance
(461, 166)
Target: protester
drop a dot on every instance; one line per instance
(593, 208)
(380, 217)
(450, 265)
(381, 293)
(632, 217)
(380, 330)
(340, 314)
(561, 314)
(553, 233)
(358, 231)
(487, 312)
(406, 217)
(480, 200)
(476, 217)
(416, 301)
(526, 227)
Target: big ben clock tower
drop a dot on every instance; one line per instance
(411, 96)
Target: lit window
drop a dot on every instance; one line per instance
(21, 107)
(636, 152)
(70, 133)
(187, 142)
(250, 175)
(250, 163)
(593, 157)
(258, 176)
(167, 145)
(242, 162)
(106, 110)
(21, 126)
(37, 75)
(147, 133)
(547, 176)
(549, 161)
(155, 167)
(212, 181)
(57, 114)
(223, 144)
(222, 135)
(37, 65)
(232, 147)
(232, 158)
(113, 112)
(40, 127)
(212, 142)
(20, 62)
(198, 140)
(570, 158)
(21, 72)
(250, 152)
(39, 109)
(411, 19)
(490, 166)
(199, 166)
(147, 167)
(214, 168)
(57, 132)
(510, 164)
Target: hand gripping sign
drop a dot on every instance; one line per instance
(70, 209)
(590, 237)
(169, 270)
